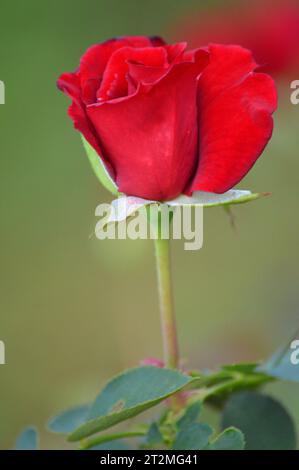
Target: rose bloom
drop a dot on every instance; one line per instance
(269, 28)
(167, 121)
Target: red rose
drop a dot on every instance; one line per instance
(166, 121)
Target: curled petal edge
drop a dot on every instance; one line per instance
(127, 206)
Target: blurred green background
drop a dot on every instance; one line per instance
(75, 310)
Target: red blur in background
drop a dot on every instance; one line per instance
(270, 28)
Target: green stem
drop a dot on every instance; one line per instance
(169, 334)
(237, 381)
(89, 443)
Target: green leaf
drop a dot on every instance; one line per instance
(243, 367)
(27, 440)
(153, 436)
(242, 376)
(126, 206)
(108, 439)
(68, 420)
(99, 168)
(194, 436)
(264, 421)
(217, 386)
(129, 394)
(114, 445)
(202, 198)
(229, 439)
(284, 364)
(190, 416)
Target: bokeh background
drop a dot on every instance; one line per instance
(74, 310)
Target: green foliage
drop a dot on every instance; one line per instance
(230, 439)
(129, 394)
(99, 168)
(69, 420)
(194, 436)
(216, 387)
(249, 420)
(264, 421)
(246, 368)
(27, 440)
(125, 206)
(154, 436)
(284, 363)
(109, 440)
(190, 415)
(204, 199)
(114, 445)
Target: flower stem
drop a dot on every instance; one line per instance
(168, 325)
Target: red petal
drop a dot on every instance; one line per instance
(175, 51)
(69, 83)
(143, 74)
(149, 74)
(151, 137)
(82, 85)
(235, 124)
(114, 83)
(95, 59)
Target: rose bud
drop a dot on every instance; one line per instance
(166, 121)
